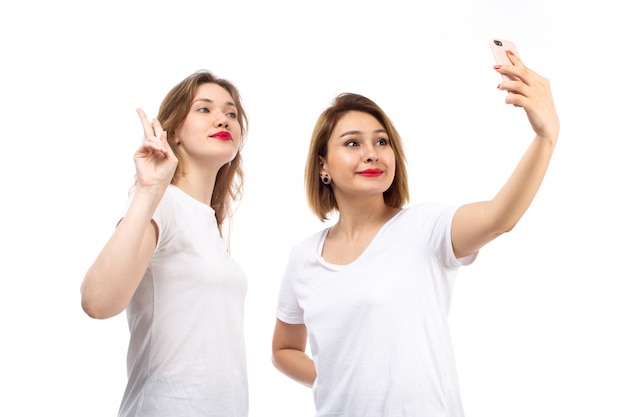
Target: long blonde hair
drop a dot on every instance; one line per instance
(172, 113)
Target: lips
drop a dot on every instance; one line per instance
(371, 173)
(222, 135)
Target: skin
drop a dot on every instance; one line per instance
(112, 279)
(358, 143)
(362, 210)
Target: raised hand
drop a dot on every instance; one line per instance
(532, 92)
(155, 161)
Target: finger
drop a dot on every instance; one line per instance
(159, 134)
(514, 78)
(518, 69)
(151, 147)
(153, 132)
(515, 60)
(148, 131)
(163, 140)
(158, 129)
(515, 99)
(516, 86)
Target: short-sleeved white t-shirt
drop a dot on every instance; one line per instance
(377, 327)
(186, 355)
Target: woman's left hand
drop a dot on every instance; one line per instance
(532, 92)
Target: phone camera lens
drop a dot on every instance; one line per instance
(497, 42)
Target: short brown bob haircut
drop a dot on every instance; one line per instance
(320, 197)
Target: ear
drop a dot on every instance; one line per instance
(322, 164)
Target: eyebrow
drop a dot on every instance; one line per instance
(207, 100)
(358, 132)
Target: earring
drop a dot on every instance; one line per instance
(326, 179)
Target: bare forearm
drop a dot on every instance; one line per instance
(115, 274)
(515, 197)
(296, 365)
(476, 224)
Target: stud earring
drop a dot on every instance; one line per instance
(326, 179)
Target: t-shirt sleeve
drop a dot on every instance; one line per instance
(288, 309)
(453, 260)
(439, 220)
(159, 217)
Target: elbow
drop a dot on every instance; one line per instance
(503, 230)
(96, 309)
(275, 360)
(507, 228)
(504, 226)
(280, 362)
(92, 311)
(97, 300)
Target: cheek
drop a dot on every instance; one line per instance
(341, 162)
(184, 132)
(390, 161)
(236, 136)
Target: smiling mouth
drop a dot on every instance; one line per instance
(222, 136)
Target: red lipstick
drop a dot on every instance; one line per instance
(371, 172)
(223, 135)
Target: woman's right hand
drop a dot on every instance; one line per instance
(155, 161)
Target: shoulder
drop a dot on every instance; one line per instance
(308, 244)
(168, 201)
(426, 213)
(171, 207)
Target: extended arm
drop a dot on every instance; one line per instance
(476, 224)
(114, 276)
(288, 346)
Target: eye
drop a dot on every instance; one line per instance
(351, 143)
(203, 110)
(232, 115)
(382, 142)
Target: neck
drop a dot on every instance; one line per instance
(357, 218)
(197, 185)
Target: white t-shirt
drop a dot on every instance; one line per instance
(186, 355)
(377, 327)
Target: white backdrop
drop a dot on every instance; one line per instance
(537, 321)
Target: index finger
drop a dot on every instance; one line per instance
(516, 71)
(515, 60)
(147, 126)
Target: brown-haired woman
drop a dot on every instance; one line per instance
(167, 263)
(372, 292)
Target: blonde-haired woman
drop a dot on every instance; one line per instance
(167, 263)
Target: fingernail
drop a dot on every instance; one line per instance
(497, 67)
(510, 52)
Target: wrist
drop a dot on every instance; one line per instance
(148, 196)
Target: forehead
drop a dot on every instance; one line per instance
(356, 122)
(213, 92)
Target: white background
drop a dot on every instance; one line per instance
(537, 321)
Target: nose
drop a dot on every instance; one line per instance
(222, 121)
(370, 154)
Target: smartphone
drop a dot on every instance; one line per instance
(498, 48)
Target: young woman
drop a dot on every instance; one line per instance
(168, 265)
(372, 293)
